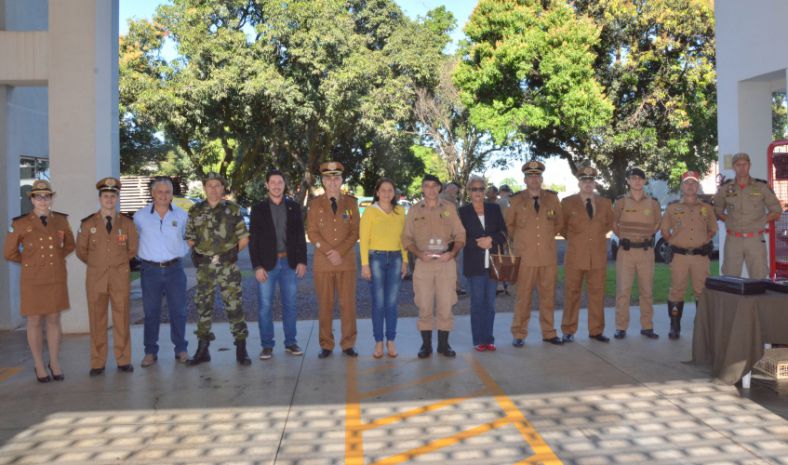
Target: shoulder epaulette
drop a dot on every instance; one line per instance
(550, 191)
(19, 217)
(351, 196)
(516, 194)
(59, 213)
(760, 180)
(673, 201)
(86, 218)
(129, 215)
(621, 197)
(727, 181)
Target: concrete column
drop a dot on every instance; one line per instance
(83, 118)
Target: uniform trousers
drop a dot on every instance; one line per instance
(228, 277)
(435, 293)
(543, 279)
(745, 250)
(341, 286)
(98, 320)
(682, 267)
(573, 287)
(628, 263)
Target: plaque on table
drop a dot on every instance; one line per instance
(736, 285)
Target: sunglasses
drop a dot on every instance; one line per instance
(476, 189)
(42, 197)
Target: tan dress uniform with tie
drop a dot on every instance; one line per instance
(534, 241)
(635, 221)
(327, 230)
(746, 207)
(433, 229)
(43, 286)
(585, 258)
(107, 255)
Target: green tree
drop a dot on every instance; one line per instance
(515, 185)
(779, 116)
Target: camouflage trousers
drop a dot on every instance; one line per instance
(228, 277)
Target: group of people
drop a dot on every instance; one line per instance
(432, 233)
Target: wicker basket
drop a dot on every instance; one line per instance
(775, 364)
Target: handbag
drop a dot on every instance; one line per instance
(504, 267)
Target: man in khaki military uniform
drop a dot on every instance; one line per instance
(688, 226)
(534, 219)
(746, 205)
(434, 234)
(636, 218)
(332, 227)
(586, 219)
(106, 242)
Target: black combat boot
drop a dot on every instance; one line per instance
(202, 354)
(240, 352)
(426, 344)
(675, 310)
(443, 344)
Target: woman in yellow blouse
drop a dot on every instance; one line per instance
(383, 261)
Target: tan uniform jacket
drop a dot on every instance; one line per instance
(534, 233)
(746, 207)
(689, 226)
(586, 237)
(107, 254)
(425, 227)
(636, 220)
(328, 231)
(43, 280)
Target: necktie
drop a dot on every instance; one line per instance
(536, 204)
(43, 219)
(334, 205)
(109, 223)
(589, 208)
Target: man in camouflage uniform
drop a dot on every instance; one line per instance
(688, 225)
(746, 205)
(216, 232)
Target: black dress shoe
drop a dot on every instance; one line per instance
(620, 334)
(41, 379)
(600, 337)
(128, 368)
(351, 352)
(649, 333)
(59, 377)
(324, 353)
(96, 371)
(518, 343)
(554, 340)
(569, 338)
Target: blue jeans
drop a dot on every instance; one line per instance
(482, 290)
(386, 268)
(171, 282)
(288, 286)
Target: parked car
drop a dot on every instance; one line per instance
(363, 203)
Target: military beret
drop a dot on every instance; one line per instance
(690, 176)
(533, 167)
(109, 184)
(636, 172)
(40, 186)
(331, 168)
(431, 177)
(586, 173)
(214, 175)
(740, 156)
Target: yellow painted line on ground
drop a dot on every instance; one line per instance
(377, 368)
(543, 454)
(354, 428)
(6, 373)
(399, 387)
(420, 410)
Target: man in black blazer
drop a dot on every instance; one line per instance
(278, 252)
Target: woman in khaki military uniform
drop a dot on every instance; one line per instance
(40, 241)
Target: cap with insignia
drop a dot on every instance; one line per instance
(586, 173)
(740, 156)
(108, 185)
(40, 186)
(331, 168)
(214, 175)
(533, 167)
(635, 171)
(690, 176)
(431, 177)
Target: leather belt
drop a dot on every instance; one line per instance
(166, 264)
(281, 254)
(749, 234)
(696, 251)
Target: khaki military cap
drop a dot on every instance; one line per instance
(533, 167)
(331, 168)
(586, 173)
(109, 184)
(41, 186)
(740, 156)
(214, 175)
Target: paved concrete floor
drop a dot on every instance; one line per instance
(586, 403)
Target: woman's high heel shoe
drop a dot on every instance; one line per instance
(391, 349)
(59, 377)
(378, 353)
(41, 379)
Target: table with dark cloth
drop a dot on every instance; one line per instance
(731, 330)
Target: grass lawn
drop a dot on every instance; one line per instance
(661, 281)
